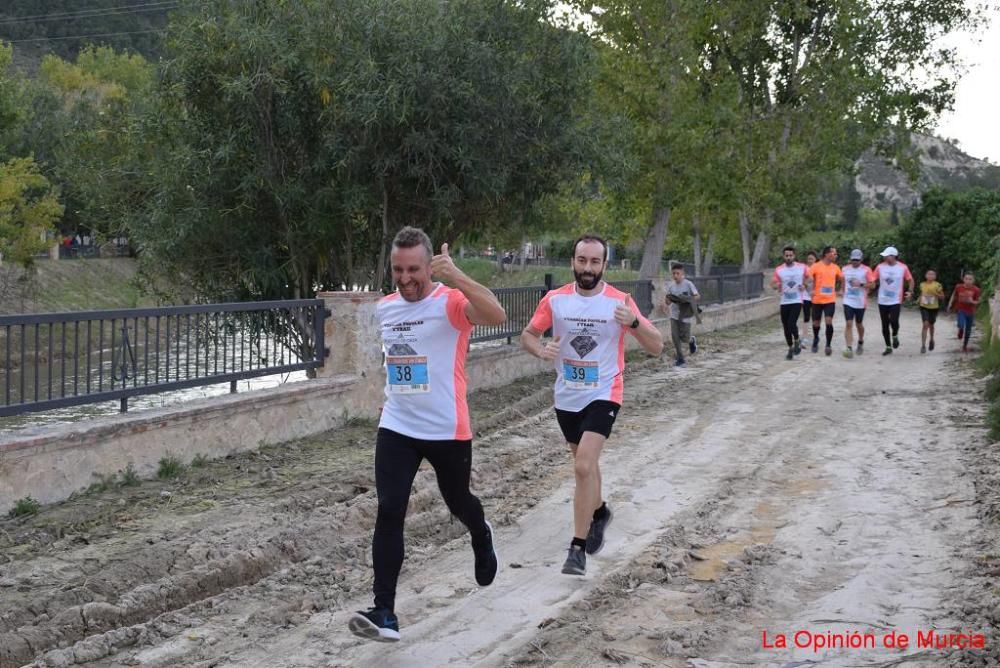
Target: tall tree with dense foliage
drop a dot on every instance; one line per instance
(299, 136)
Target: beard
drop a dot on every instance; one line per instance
(587, 280)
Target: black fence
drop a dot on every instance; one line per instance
(52, 360)
(520, 302)
(721, 289)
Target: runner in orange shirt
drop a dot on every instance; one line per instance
(827, 279)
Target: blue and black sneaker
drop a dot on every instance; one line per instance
(375, 624)
(598, 525)
(487, 559)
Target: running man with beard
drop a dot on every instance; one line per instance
(858, 280)
(790, 280)
(589, 320)
(891, 275)
(826, 278)
(425, 336)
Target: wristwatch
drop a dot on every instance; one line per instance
(635, 324)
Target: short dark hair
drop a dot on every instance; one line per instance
(827, 249)
(788, 248)
(813, 253)
(676, 265)
(968, 273)
(411, 237)
(591, 237)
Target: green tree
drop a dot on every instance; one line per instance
(952, 232)
(29, 209)
(302, 135)
(851, 211)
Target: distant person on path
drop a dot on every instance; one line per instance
(807, 305)
(858, 280)
(589, 320)
(929, 300)
(425, 329)
(966, 299)
(790, 281)
(683, 298)
(891, 275)
(826, 278)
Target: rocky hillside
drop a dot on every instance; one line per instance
(941, 165)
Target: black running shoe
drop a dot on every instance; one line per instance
(797, 348)
(790, 355)
(595, 536)
(887, 351)
(815, 347)
(576, 561)
(375, 624)
(487, 561)
(828, 351)
(895, 341)
(693, 346)
(930, 346)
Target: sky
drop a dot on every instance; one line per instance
(973, 122)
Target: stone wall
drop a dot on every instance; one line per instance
(50, 463)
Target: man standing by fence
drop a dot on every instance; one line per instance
(683, 298)
(589, 320)
(425, 335)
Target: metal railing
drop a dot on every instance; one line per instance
(53, 360)
(520, 302)
(733, 287)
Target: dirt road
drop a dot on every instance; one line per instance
(807, 500)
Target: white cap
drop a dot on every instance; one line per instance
(856, 254)
(891, 250)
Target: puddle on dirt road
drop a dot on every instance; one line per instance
(710, 562)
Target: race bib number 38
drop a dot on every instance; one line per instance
(580, 375)
(407, 375)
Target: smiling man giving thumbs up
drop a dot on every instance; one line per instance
(425, 329)
(589, 320)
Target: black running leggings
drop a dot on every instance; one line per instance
(890, 319)
(790, 321)
(397, 458)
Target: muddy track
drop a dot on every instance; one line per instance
(89, 575)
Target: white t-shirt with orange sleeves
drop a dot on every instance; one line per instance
(591, 358)
(792, 280)
(891, 282)
(855, 294)
(425, 344)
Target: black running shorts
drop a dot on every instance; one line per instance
(851, 313)
(598, 417)
(820, 310)
(928, 315)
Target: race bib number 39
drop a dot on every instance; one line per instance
(581, 375)
(407, 375)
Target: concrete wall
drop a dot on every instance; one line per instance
(50, 463)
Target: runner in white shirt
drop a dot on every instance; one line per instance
(589, 320)
(891, 275)
(858, 280)
(425, 330)
(790, 281)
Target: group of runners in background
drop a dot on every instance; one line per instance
(811, 289)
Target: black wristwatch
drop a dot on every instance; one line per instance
(635, 324)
